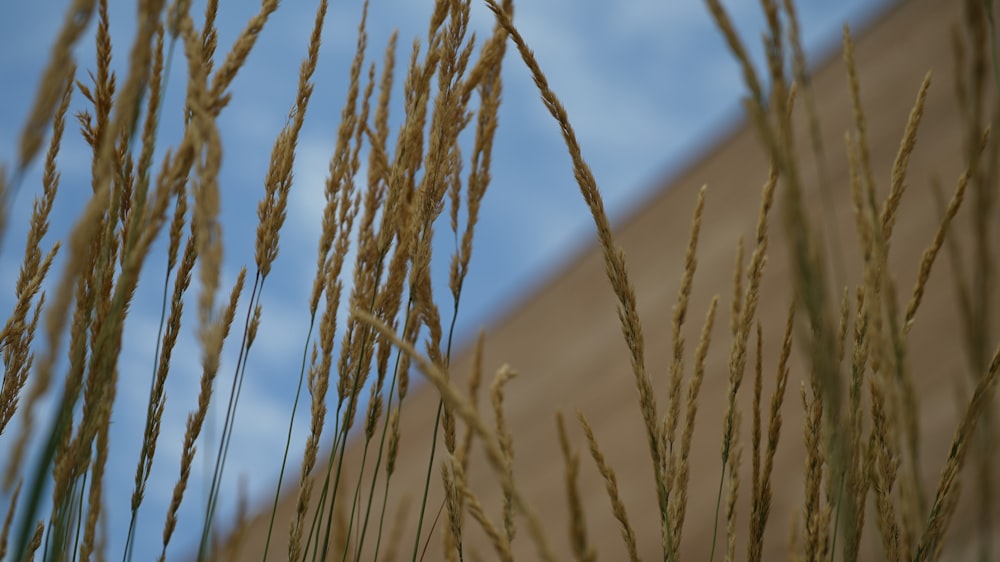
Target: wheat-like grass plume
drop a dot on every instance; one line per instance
(614, 258)
(582, 550)
(680, 314)
(947, 489)
(8, 519)
(679, 485)
(469, 415)
(407, 175)
(210, 367)
(611, 485)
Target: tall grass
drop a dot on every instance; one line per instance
(862, 425)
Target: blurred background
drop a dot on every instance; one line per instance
(649, 86)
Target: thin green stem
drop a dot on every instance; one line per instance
(346, 426)
(324, 493)
(229, 421)
(427, 480)
(150, 412)
(718, 502)
(836, 518)
(437, 424)
(378, 458)
(288, 439)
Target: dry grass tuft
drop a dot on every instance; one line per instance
(864, 444)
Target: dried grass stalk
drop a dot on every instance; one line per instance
(679, 486)
(611, 485)
(947, 488)
(469, 415)
(582, 550)
(614, 258)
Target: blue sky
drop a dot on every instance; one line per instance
(648, 85)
